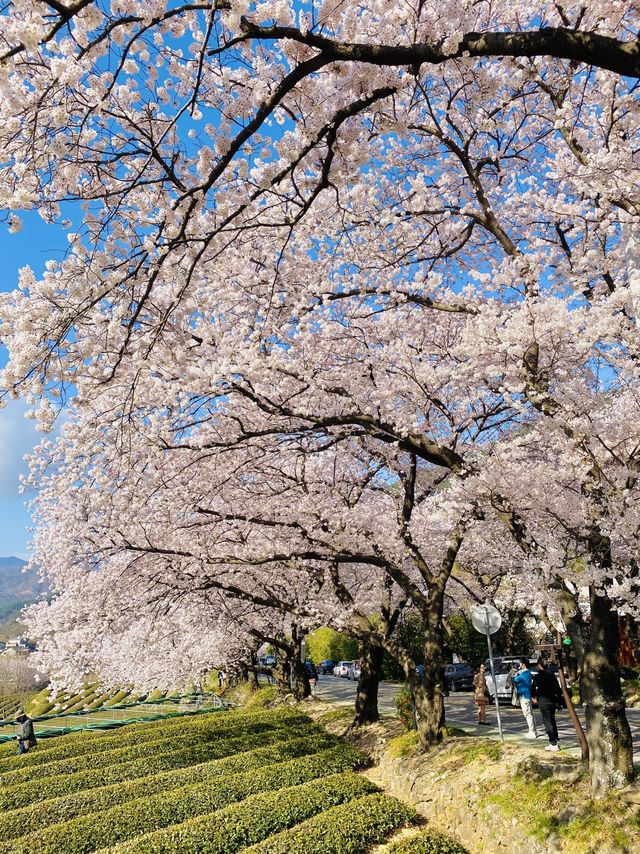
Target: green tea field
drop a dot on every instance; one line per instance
(268, 782)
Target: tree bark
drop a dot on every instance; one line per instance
(591, 48)
(430, 717)
(428, 691)
(368, 683)
(281, 674)
(608, 732)
(300, 686)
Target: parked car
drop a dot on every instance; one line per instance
(354, 670)
(459, 677)
(267, 661)
(341, 668)
(503, 665)
(310, 669)
(327, 666)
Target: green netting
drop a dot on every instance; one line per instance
(100, 725)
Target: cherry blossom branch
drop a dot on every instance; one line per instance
(622, 57)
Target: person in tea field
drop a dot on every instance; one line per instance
(26, 736)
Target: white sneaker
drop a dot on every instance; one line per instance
(531, 735)
(552, 747)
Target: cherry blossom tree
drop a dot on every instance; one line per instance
(413, 231)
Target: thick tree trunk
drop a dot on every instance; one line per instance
(608, 732)
(429, 700)
(281, 675)
(300, 686)
(429, 691)
(367, 693)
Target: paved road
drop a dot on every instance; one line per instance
(461, 711)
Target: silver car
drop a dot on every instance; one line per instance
(342, 668)
(354, 670)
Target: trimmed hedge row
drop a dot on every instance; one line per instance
(117, 698)
(78, 743)
(32, 791)
(163, 743)
(250, 821)
(429, 842)
(101, 829)
(133, 731)
(349, 828)
(36, 816)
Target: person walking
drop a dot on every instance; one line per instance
(481, 695)
(546, 690)
(515, 697)
(26, 736)
(522, 682)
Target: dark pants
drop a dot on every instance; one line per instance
(23, 746)
(548, 714)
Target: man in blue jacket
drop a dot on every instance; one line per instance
(522, 680)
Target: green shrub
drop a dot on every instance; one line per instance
(40, 704)
(101, 829)
(155, 695)
(162, 743)
(85, 742)
(21, 821)
(10, 703)
(428, 842)
(12, 797)
(404, 705)
(262, 698)
(404, 745)
(103, 759)
(117, 698)
(37, 710)
(250, 821)
(99, 701)
(350, 828)
(66, 704)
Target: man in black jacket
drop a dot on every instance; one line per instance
(546, 690)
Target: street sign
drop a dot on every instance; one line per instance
(566, 641)
(486, 619)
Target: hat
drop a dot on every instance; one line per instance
(21, 714)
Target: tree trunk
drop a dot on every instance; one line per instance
(300, 686)
(428, 691)
(608, 732)
(367, 694)
(281, 674)
(429, 700)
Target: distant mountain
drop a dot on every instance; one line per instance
(17, 589)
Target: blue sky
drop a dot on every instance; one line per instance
(34, 245)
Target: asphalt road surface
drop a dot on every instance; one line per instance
(461, 711)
